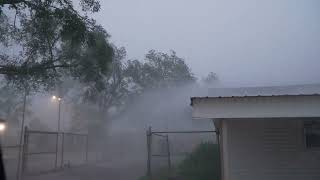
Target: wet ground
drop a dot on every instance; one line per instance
(101, 171)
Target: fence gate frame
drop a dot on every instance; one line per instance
(26, 153)
(76, 135)
(165, 134)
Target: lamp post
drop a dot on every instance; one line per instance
(59, 99)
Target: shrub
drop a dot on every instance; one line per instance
(201, 164)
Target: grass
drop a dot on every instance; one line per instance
(201, 164)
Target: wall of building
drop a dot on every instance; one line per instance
(268, 149)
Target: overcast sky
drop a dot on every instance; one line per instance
(247, 42)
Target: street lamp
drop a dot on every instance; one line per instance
(2, 125)
(59, 99)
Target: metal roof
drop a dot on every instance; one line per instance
(292, 90)
(309, 89)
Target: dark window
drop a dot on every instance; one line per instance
(312, 134)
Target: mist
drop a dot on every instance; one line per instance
(247, 43)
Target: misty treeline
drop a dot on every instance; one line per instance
(52, 47)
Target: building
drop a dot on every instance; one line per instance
(267, 133)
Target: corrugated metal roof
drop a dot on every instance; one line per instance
(309, 89)
(292, 90)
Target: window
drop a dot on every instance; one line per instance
(312, 134)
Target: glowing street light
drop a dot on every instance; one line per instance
(59, 99)
(2, 125)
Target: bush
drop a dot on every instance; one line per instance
(201, 164)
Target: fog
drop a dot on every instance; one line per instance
(246, 43)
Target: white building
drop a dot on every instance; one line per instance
(269, 133)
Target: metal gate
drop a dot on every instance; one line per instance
(166, 149)
(74, 149)
(40, 151)
(45, 151)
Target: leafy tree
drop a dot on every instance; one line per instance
(125, 80)
(160, 70)
(99, 97)
(210, 78)
(114, 87)
(52, 39)
(10, 103)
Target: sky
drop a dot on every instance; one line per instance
(247, 42)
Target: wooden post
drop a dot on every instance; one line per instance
(169, 158)
(149, 136)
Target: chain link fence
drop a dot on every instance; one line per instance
(45, 151)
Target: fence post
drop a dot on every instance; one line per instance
(219, 152)
(169, 158)
(25, 150)
(149, 137)
(57, 144)
(62, 151)
(87, 147)
(21, 140)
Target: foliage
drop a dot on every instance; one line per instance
(210, 78)
(11, 104)
(51, 39)
(125, 80)
(202, 163)
(160, 70)
(133, 77)
(113, 87)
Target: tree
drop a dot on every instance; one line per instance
(51, 40)
(10, 104)
(210, 78)
(125, 80)
(160, 70)
(114, 87)
(99, 97)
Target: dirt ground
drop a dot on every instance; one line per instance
(100, 171)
